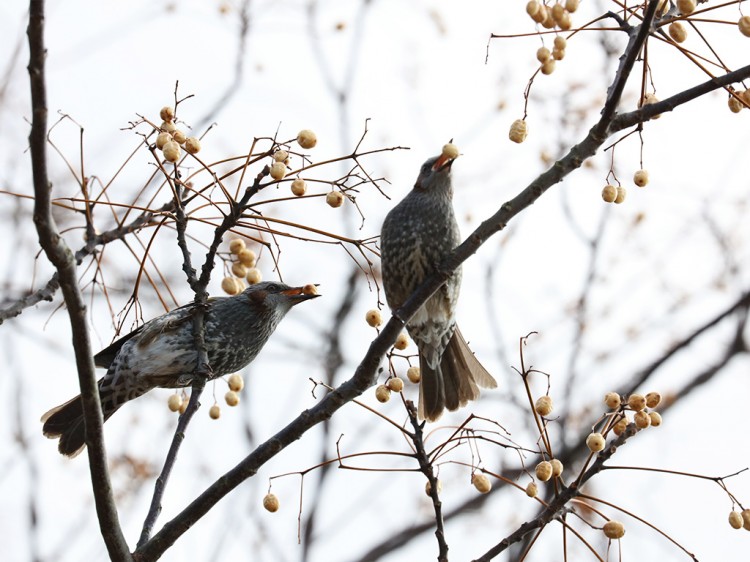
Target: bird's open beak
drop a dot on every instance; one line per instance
(442, 162)
(304, 293)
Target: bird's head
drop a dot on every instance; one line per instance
(435, 174)
(274, 295)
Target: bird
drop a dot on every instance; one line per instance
(416, 236)
(161, 353)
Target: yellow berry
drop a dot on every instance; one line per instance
(307, 139)
(309, 289)
(382, 393)
(744, 25)
(640, 178)
(560, 43)
(481, 483)
(184, 405)
(214, 412)
(540, 15)
(548, 67)
(254, 276)
(677, 32)
(236, 382)
(271, 503)
(236, 245)
(532, 490)
(686, 7)
(280, 155)
(595, 442)
(735, 105)
(612, 400)
(428, 487)
(162, 139)
(232, 398)
(192, 145)
(239, 270)
(450, 150)
(735, 519)
(543, 406)
(620, 427)
(395, 384)
(637, 402)
(746, 519)
(402, 342)
(609, 193)
(175, 402)
(171, 151)
(557, 468)
(518, 131)
(571, 5)
(655, 418)
(373, 318)
(542, 54)
(565, 22)
(557, 12)
(614, 530)
(653, 399)
(167, 113)
(229, 286)
(168, 126)
(532, 8)
(558, 54)
(278, 170)
(621, 194)
(247, 258)
(544, 471)
(414, 375)
(641, 419)
(335, 199)
(299, 187)
(179, 136)
(549, 21)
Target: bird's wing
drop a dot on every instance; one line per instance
(105, 357)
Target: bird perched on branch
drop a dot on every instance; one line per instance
(162, 353)
(416, 237)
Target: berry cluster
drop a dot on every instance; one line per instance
(243, 268)
(170, 138)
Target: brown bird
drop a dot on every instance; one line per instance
(161, 353)
(416, 237)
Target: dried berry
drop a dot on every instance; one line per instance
(247, 257)
(175, 402)
(677, 32)
(642, 420)
(481, 483)
(271, 503)
(254, 276)
(653, 399)
(622, 193)
(450, 151)
(636, 402)
(612, 400)
(232, 398)
(171, 151)
(532, 490)
(614, 530)
(230, 286)
(299, 187)
(414, 375)
(609, 193)
(239, 270)
(595, 442)
(335, 199)
(735, 519)
(543, 406)
(236, 245)
(544, 471)
(402, 342)
(373, 318)
(382, 393)
(278, 170)
(214, 412)
(307, 139)
(236, 382)
(557, 468)
(395, 384)
(192, 145)
(640, 178)
(167, 113)
(655, 418)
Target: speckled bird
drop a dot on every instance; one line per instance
(161, 353)
(416, 237)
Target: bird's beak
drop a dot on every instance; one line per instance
(442, 162)
(301, 294)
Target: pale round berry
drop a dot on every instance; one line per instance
(280, 155)
(254, 275)
(560, 43)
(557, 468)
(236, 245)
(309, 289)
(744, 25)
(236, 382)
(247, 257)
(192, 145)
(335, 199)
(307, 139)
(650, 99)
(162, 139)
(544, 471)
(373, 318)
(230, 286)
(518, 131)
(542, 54)
(642, 420)
(395, 384)
(166, 113)
(414, 375)
(746, 519)
(653, 399)
(622, 193)
(548, 67)
(543, 406)
(532, 8)
(171, 151)
(168, 127)
(614, 530)
(620, 427)
(271, 503)
(278, 170)
(655, 419)
(532, 490)
(299, 187)
(686, 7)
(428, 487)
(184, 405)
(481, 483)
(175, 402)
(735, 519)
(382, 393)
(179, 137)
(595, 442)
(565, 22)
(636, 402)
(735, 105)
(214, 412)
(557, 12)
(232, 398)
(609, 193)
(549, 21)
(239, 270)
(558, 54)
(677, 32)
(450, 151)
(541, 14)
(612, 400)
(640, 178)
(571, 5)
(402, 342)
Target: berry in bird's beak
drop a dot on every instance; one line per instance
(443, 162)
(300, 294)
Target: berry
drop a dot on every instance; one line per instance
(192, 145)
(214, 412)
(481, 483)
(620, 427)
(532, 490)
(254, 276)
(677, 32)
(636, 402)
(236, 245)
(236, 382)
(373, 318)
(414, 375)
(171, 151)
(744, 25)
(621, 194)
(395, 384)
(650, 99)
(335, 199)
(560, 43)
(571, 5)
(450, 150)
(609, 193)
(557, 12)
(557, 468)
(402, 342)
(232, 398)
(533, 7)
(278, 170)
(543, 406)
(735, 519)
(162, 139)
(184, 405)
(428, 487)
(686, 7)
(614, 530)
(179, 136)
(239, 270)
(558, 54)
(280, 155)
(299, 187)
(230, 286)
(166, 113)
(655, 418)
(542, 53)
(544, 471)
(595, 442)
(271, 503)
(382, 393)
(175, 402)
(642, 419)
(247, 257)
(746, 519)
(168, 127)
(640, 178)
(612, 400)
(307, 139)
(735, 105)
(518, 131)
(653, 399)
(309, 289)
(548, 67)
